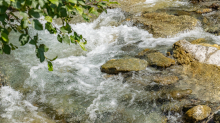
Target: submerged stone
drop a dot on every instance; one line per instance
(115, 66)
(199, 112)
(165, 25)
(165, 79)
(177, 94)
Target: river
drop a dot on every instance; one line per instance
(77, 90)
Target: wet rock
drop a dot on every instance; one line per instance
(198, 41)
(115, 66)
(159, 60)
(175, 105)
(202, 11)
(155, 58)
(165, 25)
(3, 80)
(215, 6)
(178, 94)
(199, 112)
(186, 52)
(165, 79)
(211, 22)
(216, 117)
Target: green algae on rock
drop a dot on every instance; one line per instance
(165, 25)
(199, 112)
(115, 66)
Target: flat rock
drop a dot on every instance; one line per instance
(158, 59)
(115, 66)
(185, 52)
(199, 112)
(165, 79)
(165, 25)
(155, 58)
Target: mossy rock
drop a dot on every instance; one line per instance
(115, 66)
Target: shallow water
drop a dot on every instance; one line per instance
(77, 90)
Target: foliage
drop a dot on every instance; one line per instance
(31, 10)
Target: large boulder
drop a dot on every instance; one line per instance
(165, 25)
(199, 112)
(185, 52)
(115, 66)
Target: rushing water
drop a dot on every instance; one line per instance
(77, 90)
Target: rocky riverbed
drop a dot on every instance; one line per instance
(152, 61)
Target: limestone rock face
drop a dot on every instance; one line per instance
(115, 66)
(199, 112)
(185, 52)
(164, 25)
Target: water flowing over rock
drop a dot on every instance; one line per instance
(185, 52)
(165, 25)
(199, 112)
(177, 94)
(115, 66)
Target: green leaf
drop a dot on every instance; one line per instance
(50, 28)
(34, 40)
(42, 3)
(23, 39)
(81, 2)
(34, 4)
(82, 45)
(56, 2)
(3, 9)
(44, 47)
(50, 66)
(6, 49)
(59, 38)
(34, 13)
(73, 1)
(3, 17)
(24, 15)
(5, 37)
(24, 23)
(62, 12)
(54, 58)
(72, 38)
(37, 25)
(13, 47)
(85, 17)
(66, 29)
(79, 9)
(48, 19)
(40, 54)
(66, 39)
